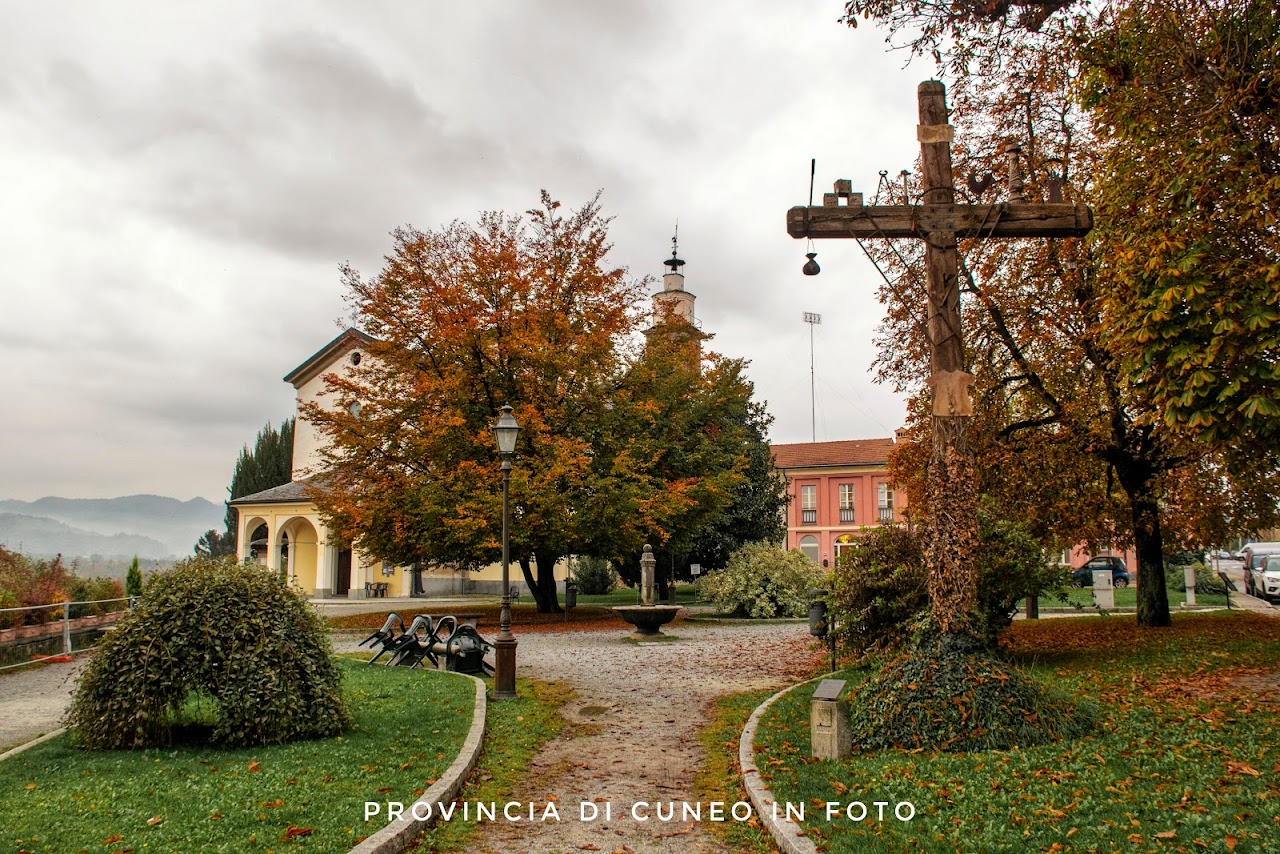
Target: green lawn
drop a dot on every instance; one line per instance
(1184, 759)
(1126, 597)
(310, 795)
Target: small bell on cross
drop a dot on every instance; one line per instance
(811, 267)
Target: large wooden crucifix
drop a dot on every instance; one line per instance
(951, 490)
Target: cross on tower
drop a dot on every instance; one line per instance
(950, 487)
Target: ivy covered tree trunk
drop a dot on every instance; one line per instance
(952, 542)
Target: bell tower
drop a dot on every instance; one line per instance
(674, 321)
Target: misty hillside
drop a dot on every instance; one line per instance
(175, 524)
(42, 537)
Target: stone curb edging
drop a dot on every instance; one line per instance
(784, 831)
(393, 838)
(14, 751)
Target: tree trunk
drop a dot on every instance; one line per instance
(545, 592)
(953, 527)
(1136, 477)
(526, 569)
(1153, 597)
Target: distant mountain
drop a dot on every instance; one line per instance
(175, 524)
(43, 537)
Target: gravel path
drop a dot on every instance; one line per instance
(637, 710)
(32, 700)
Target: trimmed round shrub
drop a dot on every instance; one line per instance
(948, 693)
(231, 640)
(762, 580)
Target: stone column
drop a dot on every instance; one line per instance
(647, 564)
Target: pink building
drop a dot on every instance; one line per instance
(838, 490)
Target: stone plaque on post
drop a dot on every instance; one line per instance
(829, 722)
(1104, 594)
(1189, 583)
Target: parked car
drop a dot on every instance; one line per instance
(1253, 556)
(1266, 579)
(1083, 576)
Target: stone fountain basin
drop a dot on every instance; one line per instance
(647, 618)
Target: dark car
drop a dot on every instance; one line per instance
(1083, 577)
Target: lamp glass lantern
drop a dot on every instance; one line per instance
(506, 431)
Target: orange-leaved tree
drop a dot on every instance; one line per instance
(524, 311)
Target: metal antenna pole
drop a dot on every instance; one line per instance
(813, 320)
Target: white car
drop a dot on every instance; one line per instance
(1265, 580)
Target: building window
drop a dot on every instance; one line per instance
(809, 545)
(846, 502)
(885, 500)
(809, 506)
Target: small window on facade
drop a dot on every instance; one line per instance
(884, 495)
(355, 358)
(809, 545)
(808, 505)
(846, 502)
(354, 409)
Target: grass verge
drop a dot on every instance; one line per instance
(306, 795)
(1185, 756)
(517, 729)
(720, 778)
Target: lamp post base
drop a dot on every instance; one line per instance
(504, 668)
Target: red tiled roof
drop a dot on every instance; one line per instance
(848, 452)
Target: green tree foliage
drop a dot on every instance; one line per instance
(594, 576)
(1124, 381)
(133, 580)
(1185, 97)
(762, 580)
(683, 458)
(215, 544)
(213, 630)
(268, 463)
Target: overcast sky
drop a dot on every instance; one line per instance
(179, 183)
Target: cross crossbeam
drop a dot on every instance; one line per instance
(998, 220)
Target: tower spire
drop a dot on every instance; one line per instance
(674, 261)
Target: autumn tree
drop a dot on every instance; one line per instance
(524, 311)
(1141, 361)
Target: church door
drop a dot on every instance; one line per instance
(342, 584)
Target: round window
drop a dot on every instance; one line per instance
(355, 358)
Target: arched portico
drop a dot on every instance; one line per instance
(301, 553)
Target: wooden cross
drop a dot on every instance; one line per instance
(951, 491)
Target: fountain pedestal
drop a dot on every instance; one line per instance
(647, 617)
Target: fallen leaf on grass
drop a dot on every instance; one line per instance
(295, 832)
(1167, 834)
(112, 839)
(1230, 841)
(255, 766)
(278, 802)
(1242, 768)
(154, 820)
